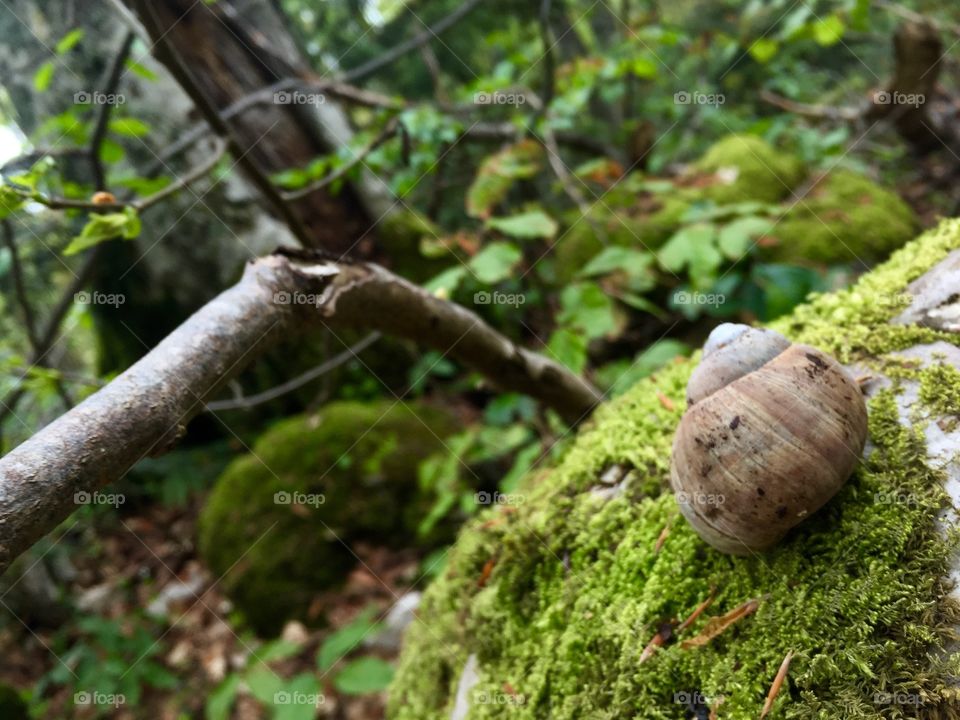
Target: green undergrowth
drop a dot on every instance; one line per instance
(559, 597)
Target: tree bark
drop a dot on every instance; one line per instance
(146, 409)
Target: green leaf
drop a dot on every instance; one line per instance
(688, 246)
(129, 127)
(144, 186)
(363, 676)
(495, 262)
(263, 683)
(141, 70)
(43, 76)
(111, 152)
(69, 41)
(586, 307)
(346, 639)
(528, 225)
(763, 49)
(498, 173)
(828, 31)
(10, 201)
(643, 67)
(220, 700)
(299, 698)
(278, 650)
(447, 281)
(618, 377)
(635, 263)
(101, 227)
(569, 348)
(737, 237)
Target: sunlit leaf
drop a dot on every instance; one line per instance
(528, 225)
(763, 49)
(105, 226)
(498, 173)
(43, 76)
(495, 262)
(69, 41)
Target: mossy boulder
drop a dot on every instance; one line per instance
(280, 520)
(844, 217)
(749, 168)
(554, 602)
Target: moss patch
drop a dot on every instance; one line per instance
(845, 218)
(748, 168)
(279, 521)
(577, 588)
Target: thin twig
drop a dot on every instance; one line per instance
(19, 287)
(388, 132)
(99, 134)
(244, 403)
(401, 49)
(59, 203)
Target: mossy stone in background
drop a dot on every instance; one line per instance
(845, 217)
(749, 168)
(265, 527)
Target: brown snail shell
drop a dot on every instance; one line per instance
(772, 431)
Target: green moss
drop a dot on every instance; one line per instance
(353, 468)
(940, 389)
(578, 589)
(846, 217)
(748, 168)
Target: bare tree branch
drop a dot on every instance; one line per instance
(401, 49)
(145, 410)
(186, 180)
(114, 73)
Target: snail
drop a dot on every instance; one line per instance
(772, 431)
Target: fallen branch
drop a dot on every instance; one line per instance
(145, 410)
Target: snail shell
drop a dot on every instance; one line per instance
(772, 431)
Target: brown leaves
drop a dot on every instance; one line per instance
(716, 625)
(667, 630)
(666, 402)
(485, 573)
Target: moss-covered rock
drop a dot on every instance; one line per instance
(845, 217)
(279, 521)
(557, 599)
(748, 168)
